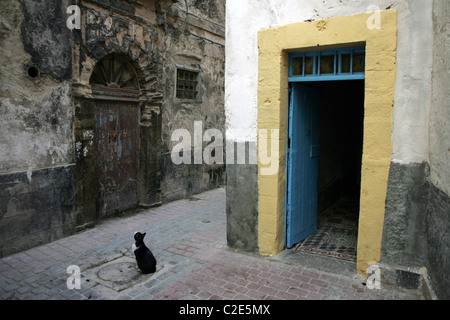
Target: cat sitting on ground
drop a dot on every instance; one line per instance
(146, 262)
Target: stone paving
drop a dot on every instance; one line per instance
(188, 238)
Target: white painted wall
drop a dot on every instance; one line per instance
(414, 63)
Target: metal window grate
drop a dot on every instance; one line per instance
(338, 64)
(187, 84)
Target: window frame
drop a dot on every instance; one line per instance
(337, 72)
(198, 96)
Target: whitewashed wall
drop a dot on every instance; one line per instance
(414, 63)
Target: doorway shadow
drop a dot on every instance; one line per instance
(339, 181)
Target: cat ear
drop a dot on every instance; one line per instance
(143, 235)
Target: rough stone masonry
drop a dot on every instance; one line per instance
(49, 165)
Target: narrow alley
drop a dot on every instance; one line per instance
(188, 239)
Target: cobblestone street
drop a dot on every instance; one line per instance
(188, 238)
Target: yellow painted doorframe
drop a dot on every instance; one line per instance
(274, 45)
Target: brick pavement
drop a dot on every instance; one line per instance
(188, 238)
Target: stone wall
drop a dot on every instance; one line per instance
(118, 27)
(194, 39)
(36, 209)
(245, 19)
(158, 36)
(46, 102)
(418, 203)
(404, 239)
(416, 211)
(36, 130)
(242, 200)
(438, 217)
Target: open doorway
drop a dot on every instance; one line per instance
(376, 67)
(341, 116)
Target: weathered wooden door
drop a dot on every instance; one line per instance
(116, 158)
(302, 163)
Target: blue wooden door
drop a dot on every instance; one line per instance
(302, 163)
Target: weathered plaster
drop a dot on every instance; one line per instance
(407, 130)
(46, 122)
(37, 210)
(40, 132)
(272, 100)
(414, 60)
(404, 240)
(36, 126)
(438, 241)
(194, 39)
(242, 204)
(438, 219)
(413, 85)
(440, 106)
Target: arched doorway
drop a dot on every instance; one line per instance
(115, 89)
(112, 116)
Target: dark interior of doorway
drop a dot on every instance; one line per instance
(341, 141)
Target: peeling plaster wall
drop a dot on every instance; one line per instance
(40, 132)
(440, 110)
(420, 113)
(122, 28)
(36, 129)
(194, 39)
(438, 219)
(35, 126)
(46, 118)
(157, 36)
(410, 134)
(418, 203)
(414, 61)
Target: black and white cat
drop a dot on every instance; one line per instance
(144, 257)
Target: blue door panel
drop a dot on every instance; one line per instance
(302, 164)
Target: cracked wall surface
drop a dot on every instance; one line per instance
(416, 207)
(47, 105)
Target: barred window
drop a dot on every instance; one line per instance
(187, 84)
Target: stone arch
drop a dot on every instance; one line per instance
(114, 77)
(118, 81)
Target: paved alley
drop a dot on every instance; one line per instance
(188, 239)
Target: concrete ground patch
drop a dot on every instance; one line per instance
(119, 274)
